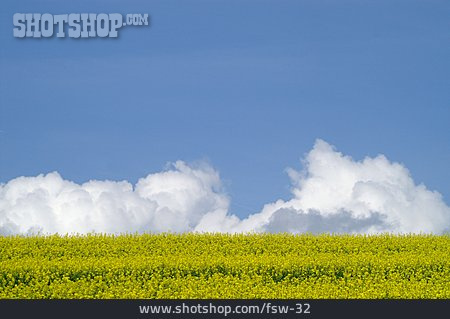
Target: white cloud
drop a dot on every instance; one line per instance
(333, 193)
(173, 200)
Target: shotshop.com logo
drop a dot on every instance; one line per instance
(74, 25)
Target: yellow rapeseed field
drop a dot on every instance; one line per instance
(225, 266)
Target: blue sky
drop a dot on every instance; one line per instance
(246, 85)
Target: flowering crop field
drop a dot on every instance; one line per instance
(225, 266)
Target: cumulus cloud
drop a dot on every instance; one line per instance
(173, 200)
(333, 193)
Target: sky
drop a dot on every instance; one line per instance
(242, 89)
